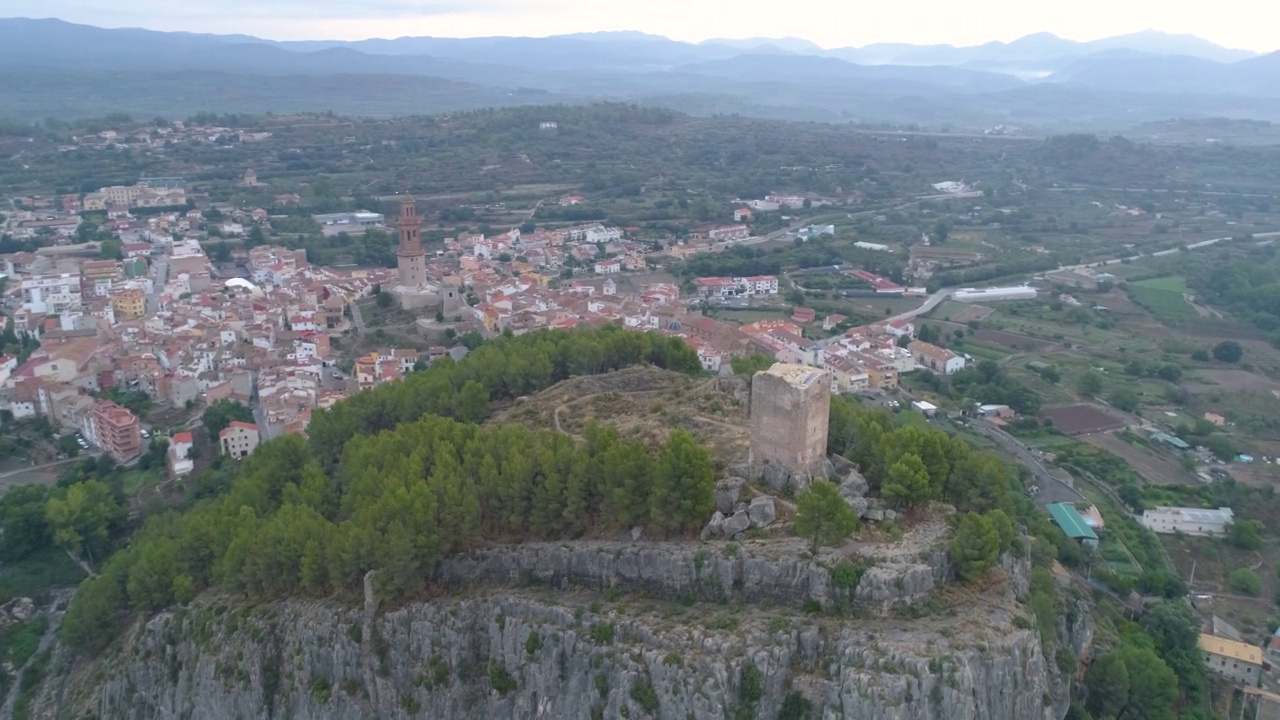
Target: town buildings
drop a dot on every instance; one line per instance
(1240, 663)
(179, 456)
(238, 439)
(937, 359)
(116, 430)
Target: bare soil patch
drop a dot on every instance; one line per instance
(1022, 343)
(1081, 418)
(645, 404)
(973, 313)
(1154, 467)
(1231, 380)
(1212, 561)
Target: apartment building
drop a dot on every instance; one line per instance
(116, 430)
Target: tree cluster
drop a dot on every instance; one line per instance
(504, 369)
(396, 483)
(911, 465)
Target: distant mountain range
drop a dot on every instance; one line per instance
(51, 66)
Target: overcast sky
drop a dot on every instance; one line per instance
(830, 23)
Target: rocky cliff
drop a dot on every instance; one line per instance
(776, 571)
(603, 631)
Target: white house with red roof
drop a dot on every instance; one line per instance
(900, 328)
(608, 266)
(180, 446)
(572, 200)
(743, 215)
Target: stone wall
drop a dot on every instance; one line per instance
(790, 405)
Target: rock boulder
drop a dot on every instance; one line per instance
(736, 524)
(728, 493)
(762, 511)
(714, 528)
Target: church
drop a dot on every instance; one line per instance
(413, 290)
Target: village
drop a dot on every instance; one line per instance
(272, 331)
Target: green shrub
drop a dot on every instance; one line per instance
(645, 696)
(500, 679)
(602, 633)
(1245, 582)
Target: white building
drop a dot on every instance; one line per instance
(179, 448)
(729, 233)
(760, 284)
(1188, 521)
(1021, 292)
(239, 439)
(51, 293)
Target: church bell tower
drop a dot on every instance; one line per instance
(410, 258)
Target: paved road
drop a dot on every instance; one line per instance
(1162, 253)
(159, 276)
(1052, 487)
(37, 468)
(356, 317)
(927, 306)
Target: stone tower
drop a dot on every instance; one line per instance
(410, 258)
(789, 416)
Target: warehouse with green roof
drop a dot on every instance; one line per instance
(1073, 524)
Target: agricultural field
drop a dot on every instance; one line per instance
(1080, 419)
(1164, 297)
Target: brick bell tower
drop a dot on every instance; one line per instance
(410, 258)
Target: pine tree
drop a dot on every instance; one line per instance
(907, 483)
(823, 516)
(684, 485)
(975, 549)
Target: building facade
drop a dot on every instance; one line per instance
(239, 439)
(116, 430)
(1188, 521)
(1238, 662)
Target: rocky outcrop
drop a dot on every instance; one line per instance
(728, 493)
(530, 655)
(776, 571)
(762, 511)
(779, 477)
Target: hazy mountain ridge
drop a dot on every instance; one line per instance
(994, 83)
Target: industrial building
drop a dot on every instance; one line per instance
(1021, 292)
(1188, 521)
(334, 223)
(1073, 524)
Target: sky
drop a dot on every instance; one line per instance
(829, 23)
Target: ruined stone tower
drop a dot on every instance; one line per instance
(789, 416)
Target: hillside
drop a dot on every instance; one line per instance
(644, 403)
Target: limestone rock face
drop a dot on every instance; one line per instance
(715, 527)
(501, 639)
(728, 492)
(737, 523)
(502, 658)
(762, 511)
(853, 485)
